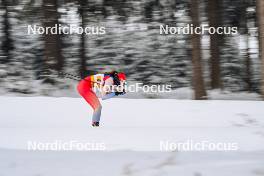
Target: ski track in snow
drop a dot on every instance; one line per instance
(131, 130)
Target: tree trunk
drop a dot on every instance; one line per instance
(244, 31)
(214, 18)
(7, 43)
(52, 52)
(82, 69)
(260, 13)
(198, 81)
(248, 64)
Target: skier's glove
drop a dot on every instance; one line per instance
(120, 93)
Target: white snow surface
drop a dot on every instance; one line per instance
(131, 130)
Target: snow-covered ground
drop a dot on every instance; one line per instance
(132, 131)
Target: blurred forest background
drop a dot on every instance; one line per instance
(132, 44)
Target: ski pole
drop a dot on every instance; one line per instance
(76, 78)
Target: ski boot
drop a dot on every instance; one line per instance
(95, 124)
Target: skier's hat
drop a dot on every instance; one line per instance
(121, 76)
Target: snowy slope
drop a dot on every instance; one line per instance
(131, 130)
(124, 163)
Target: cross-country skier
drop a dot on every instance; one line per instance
(103, 86)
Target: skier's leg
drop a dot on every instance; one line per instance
(97, 114)
(86, 92)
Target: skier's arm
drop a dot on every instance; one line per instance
(107, 91)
